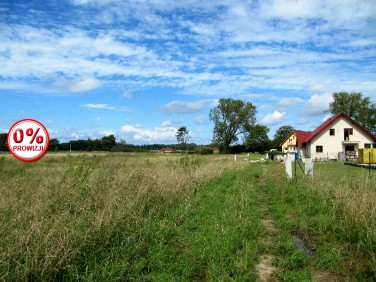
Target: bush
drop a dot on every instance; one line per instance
(206, 151)
(237, 149)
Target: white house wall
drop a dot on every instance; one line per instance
(332, 145)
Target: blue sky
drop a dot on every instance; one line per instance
(141, 69)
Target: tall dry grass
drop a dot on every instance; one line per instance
(334, 213)
(58, 213)
(351, 188)
(350, 194)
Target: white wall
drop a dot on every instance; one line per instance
(332, 145)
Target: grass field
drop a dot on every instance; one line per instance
(120, 217)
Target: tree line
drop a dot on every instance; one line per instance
(106, 143)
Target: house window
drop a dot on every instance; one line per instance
(347, 133)
(332, 132)
(367, 145)
(319, 149)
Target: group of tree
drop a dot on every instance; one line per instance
(235, 120)
(236, 128)
(360, 108)
(106, 143)
(281, 134)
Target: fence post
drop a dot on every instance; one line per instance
(288, 167)
(308, 168)
(369, 163)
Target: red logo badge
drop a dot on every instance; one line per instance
(28, 140)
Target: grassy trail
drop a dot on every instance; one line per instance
(217, 238)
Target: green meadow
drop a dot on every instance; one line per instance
(172, 217)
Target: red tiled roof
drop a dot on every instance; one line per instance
(330, 120)
(302, 136)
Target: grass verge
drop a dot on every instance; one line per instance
(321, 213)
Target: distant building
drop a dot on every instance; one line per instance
(294, 140)
(166, 150)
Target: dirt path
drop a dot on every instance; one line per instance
(265, 268)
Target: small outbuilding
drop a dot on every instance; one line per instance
(166, 150)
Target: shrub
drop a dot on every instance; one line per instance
(206, 151)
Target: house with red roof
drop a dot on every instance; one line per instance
(338, 134)
(294, 140)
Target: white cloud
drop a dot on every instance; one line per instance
(317, 104)
(289, 9)
(274, 118)
(183, 107)
(158, 134)
(66, 134)
(105, 107)
(201, 120)
(127, 94)
(260, 96)
(85, 85)
(79, 85)
(288, 102)
(85, 2)
(107, 132)
(169, 123)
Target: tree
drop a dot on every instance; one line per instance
(108, 142)
(95, 145)
(182, 135)
(3, 142)
(258, 139)
(54, 143)
(357, 106)
(231, 118)
(122, 142)
(281, 134)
